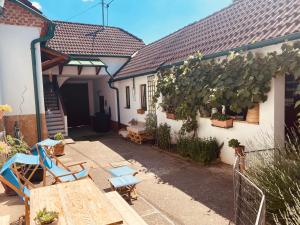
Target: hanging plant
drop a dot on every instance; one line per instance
(240, 81)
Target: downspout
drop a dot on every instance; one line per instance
(49, 35)
(117, 92)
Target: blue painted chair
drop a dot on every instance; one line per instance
(58, 170)
(125, 185)
(122, 171)
(11, 177)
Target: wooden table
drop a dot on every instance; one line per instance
(78, 203)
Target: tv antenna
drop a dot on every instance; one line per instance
(105, 5)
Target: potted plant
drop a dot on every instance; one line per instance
(221, 120)
(46, 217)
(140, 111)
(171, 115)
(59, 149)
(5, 152)
(3, 109)
(236, 145)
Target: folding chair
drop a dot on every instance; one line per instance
(60, 174)
(11, 177)
(125, 185)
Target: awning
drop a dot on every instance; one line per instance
(92, 63)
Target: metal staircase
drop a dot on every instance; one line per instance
(54, 114)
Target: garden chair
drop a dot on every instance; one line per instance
(125, 185)
(122, 171)
(60, 174)
(10, 176)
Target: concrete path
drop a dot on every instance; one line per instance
(173, 190)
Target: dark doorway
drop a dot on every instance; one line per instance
(291, 97)
(101, 104)
(76, 101)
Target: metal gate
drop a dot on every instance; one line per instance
(249, 200)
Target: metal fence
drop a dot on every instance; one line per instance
(249, 200)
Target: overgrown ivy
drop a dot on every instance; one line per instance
(238, 81)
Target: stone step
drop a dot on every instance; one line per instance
(54, 119)
(56, 127)
(55, 123)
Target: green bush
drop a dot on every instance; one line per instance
(203, 150)
(164, 136)
(17, 146)
(234, 143)
(151, 124)
(220, 116)
(279, 179)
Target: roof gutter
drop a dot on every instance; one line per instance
(117, 92)
(49, 35)
(261, 44)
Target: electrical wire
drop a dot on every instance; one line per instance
(84, 11)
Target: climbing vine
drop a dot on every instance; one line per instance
(238, 82)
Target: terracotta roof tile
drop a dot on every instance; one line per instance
(242, 23)
(88, 39)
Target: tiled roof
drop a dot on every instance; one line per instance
(87, 39)
(242, 23)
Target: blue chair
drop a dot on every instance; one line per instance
(125, 185)
(60, 174)
(11, 177)
(122, 171)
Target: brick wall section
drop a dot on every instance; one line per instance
(14, 14)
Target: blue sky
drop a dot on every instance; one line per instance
(147, 19)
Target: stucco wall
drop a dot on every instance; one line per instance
(16, 79)
(263, 135)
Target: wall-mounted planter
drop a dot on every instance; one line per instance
(171, 116)
(140, 111)
(222, 124)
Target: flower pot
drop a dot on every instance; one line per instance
(253, 114)
(55, 222)
(140, 111)
(171, 116)
(59, 149)
(222, 124)
(8, 191)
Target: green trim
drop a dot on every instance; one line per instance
(49, 35)
(261, 44)
(30, 9)
(118, 98)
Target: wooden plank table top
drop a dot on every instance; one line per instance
(78, 203)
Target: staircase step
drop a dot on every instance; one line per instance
(56, 123)
(56, 127)
(54, 119)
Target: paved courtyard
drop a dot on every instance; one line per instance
(173, 190)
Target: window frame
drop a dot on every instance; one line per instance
(143, 96)
(127, 97)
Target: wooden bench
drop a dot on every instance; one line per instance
(4, 220)
(129, 215)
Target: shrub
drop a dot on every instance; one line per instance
(17, 146)
(220, 116)
(45, 217)
(164, 136)
(151, 124)
(59, 137)
(279, 179)
(233, 143)
(203, 150)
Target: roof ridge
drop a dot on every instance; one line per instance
(98, 25)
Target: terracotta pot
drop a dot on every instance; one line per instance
(1, 114)
(171, 116)
(59, 149)
(222, 124)
(8, 191)
(253, 114)
(140, 111)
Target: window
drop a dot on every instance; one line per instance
(151, 92)
(143, 97)
(127, 97)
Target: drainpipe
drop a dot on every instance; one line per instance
(49, 35)
(117, 92)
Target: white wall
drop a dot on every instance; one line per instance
(271, 124)
(16, 68)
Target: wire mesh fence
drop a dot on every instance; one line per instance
(249, 200)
